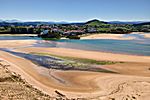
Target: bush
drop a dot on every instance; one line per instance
(73, 37)
(52, 35)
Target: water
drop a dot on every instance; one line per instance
(135, 35)
(138, 46)
(51, 62)
(18, 37)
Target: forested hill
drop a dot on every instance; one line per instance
(92, 26)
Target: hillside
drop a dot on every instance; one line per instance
(146, 23)
(95, 22)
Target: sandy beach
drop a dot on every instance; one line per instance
(146, 35)
(107, 36)
(16, 43)
(104, 56)
(115, 36)
(131, 82)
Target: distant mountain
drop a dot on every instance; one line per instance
(61, 22)
(14, 21)
(11, 21)
(95, 22)
(146, 23)
(120, 22)
(1, 20)
(91, 22)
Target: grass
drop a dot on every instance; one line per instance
(81, 63)
(80, 60)
(53, 39)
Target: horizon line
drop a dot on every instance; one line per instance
(67, 21)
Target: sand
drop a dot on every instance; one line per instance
(108, 36)
(87, 54)
(146, 35)
(132, 81)
(16, 43)
(12, 87)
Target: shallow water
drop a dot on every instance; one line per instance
(138, 46)
(51, 62)
(2, 37)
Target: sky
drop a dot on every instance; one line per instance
(75, 10)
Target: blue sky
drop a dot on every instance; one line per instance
(75, 10)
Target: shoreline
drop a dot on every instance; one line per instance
(95, 36)
(146, 35)
(87, 54)
(107, 36)
(18, 35)
(93, 80)
(18, 44)
(114, 36)
(132, 75)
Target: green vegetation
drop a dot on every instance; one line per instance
(73, 37)
(80, 60)
(89, 61)
(83, 64)
(53, 39)
(4, 29)
(51, 35)
(72, 30)
(104, 27)
(96, 23)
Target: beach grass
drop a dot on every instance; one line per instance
(80, 60)
(82, 64)
(53, 39)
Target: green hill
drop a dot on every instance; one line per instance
(95, 22)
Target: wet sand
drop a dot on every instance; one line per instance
(86, 54)
(132, 82)
(16, 43)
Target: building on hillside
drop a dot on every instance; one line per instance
(91, 30)
(74, 32)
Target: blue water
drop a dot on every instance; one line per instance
(138, 46)
(18, 37)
